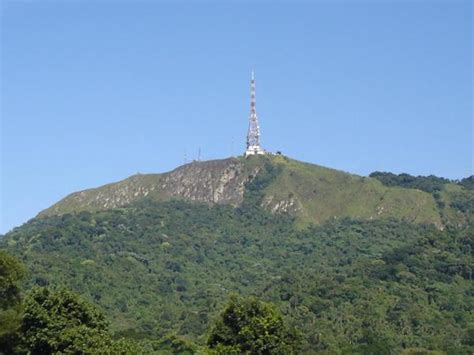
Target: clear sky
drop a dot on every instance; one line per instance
(95, 91)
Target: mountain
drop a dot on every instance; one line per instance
(359, 264)
(312, 193)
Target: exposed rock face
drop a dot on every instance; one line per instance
(109, 196)
(216, 181)
(290, 205)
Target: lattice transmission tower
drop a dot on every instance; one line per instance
(253, 135)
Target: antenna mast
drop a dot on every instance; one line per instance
(253, 135)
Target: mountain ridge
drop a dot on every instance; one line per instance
(163, 265)
(310, 192)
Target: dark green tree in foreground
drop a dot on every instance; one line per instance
(250, 326)
(11, 273)
(59, 321)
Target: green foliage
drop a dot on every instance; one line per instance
(454, 199)
(424, 183)
(11, 273)
(315, 194)
(161, 268)
(468, 182)
(48, 322)
(462, 202)
(172, 344)
(58, 321)
(251, 326)
(254, 190)
(310, 193)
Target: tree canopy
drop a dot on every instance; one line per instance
(11, 274)
(425, 183)
(248, 325)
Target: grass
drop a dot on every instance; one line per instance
(330, 194)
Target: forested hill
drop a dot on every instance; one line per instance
(312, 194)
(161, 268)
(167, 268)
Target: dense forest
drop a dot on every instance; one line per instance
(431, 184)
(57, 321)
(164, 277)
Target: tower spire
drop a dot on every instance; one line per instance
(253, 135)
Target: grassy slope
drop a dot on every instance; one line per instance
(451, 195)
(327, 194)
(100, 198)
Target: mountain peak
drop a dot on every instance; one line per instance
(312, 193)
(212, 181)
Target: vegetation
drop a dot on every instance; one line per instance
(11, 273)
(468, 182)
(157, 269)
(58, 321)
(251, 326)
(312, 194)
(424, 183)
(454, 199)
(160, 273)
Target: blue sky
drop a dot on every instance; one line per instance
(95, 91)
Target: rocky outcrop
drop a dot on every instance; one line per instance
(289, 205)
(216, 181)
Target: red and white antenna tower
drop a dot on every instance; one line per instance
(253, 134)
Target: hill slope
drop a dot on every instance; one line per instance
(357, 264)
(311, 193)
(168, 267)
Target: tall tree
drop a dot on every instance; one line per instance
(59, 321)
(11, 273)
(248, 325)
